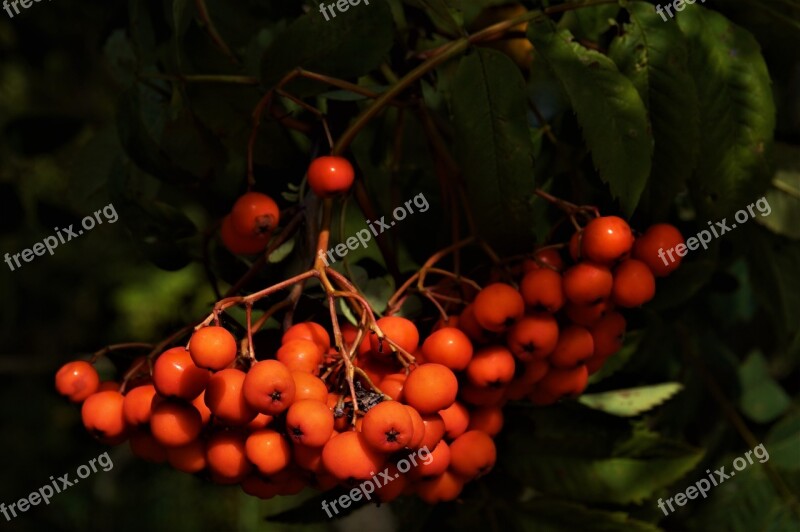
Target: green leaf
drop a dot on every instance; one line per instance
(783, 197)
(655, 57)
(494, 147)
(552, 515)
(632, 401)
(783, 443)
(590, 23)
(442, 13)
(762, 399)
(737, 112)
(609, 110)
(349, 45)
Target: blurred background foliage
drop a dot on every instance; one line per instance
(87, 118)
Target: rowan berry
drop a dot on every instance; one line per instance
(472, 454)
(225, 398)
(587, 283)
(309, 423)
(442, 488)
(390, 491)
(491, 366)
(145, 446)
(399, 330)
(77, 380)
(449, 347)
(309, 458)
(456, 420)
(268, 450)
(176, 375)
(482, 395)
(434, 430)
(608, 333)
(544, 258)
(269, 387)
(587, 315)
(307, 386)
(199, 403)
(542, 289)
(175, 423)
(498, 306)
(470, 326)
(330, 175)
(534, 336)
(532, 372)
(226, 457)
(651, 246)
(102, 415)
(213, 348)
(261, 421)
(301, 355)
(392, 385)
(311, 331)
(136, 407)
(256, 486)
(418, 425)
(348, 456)
(562, 382)
(634, 284)
(488, 419)
(387, 427)
(435, 463)
(575, 344)
(255, 214)
(606, 239)
(190, 458)
(430, 388)
(239, 244)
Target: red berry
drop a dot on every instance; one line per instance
(575, 344)
(239, 244)
(652, 246)
(213, 348)
(498, 306)
(77, 380)
(542, 289)
(634, 284)
(587, 283)
(533, 336)
(255, 214)
(606, 239)
(330, 175)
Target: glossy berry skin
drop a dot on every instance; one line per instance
(175, 423)
(491, 366)
(564, 382)
(634, 284)
(544, 258)
(472, 454)
(448, 346)
(213, 348)
(255, 214)
(239, 244)
(103, 417)
(575, 245)
(308, 330)
(226, 457)
(608, 334)
(138, 404)
(176, 375)
(225, 398)
(543, 289)
(430, 388)
(534, 336)
(387, 427)
(348, 456)
(587, 283)
(269, 387)
(77, 380)
(300, 355)
(309, 423)
(330, 175)
(268, 450)
(587, 315)
(575, 344)
(658, 239)
(497, 307)
(606, 239)
(399, 330)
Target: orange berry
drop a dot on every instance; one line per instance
(606, 239)
(145, 446)
(561, 382)
(269, 387)
(308, 386)
(634, 284)
(434, 430)
(430, 388)
(651, 248)
(472, 454)
(77, 380)
(542, 289)
(456, 420)
(311, 331)
(387, 427)
(213, 348)
(534, 336)
(255, 214)
(399, 330)
(442, 488)
(175, 423)
(225, 398)
(103, 418)
(544, 258)
(491, 366)
(330, 175)
(268, 450)
(309, 423)
(488, 419)
(347, 456)
(435, 463)
(498, 306)
(190, 458)
(419, 428)
(239, 244)
(226, 457)
(449, 347)
(587, 283)
(575, 345)
(301, 355)
(137, 405)
(176, 375)
(393, 384)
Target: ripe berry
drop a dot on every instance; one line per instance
(213, 348)
(226, 457)
(575, 245)
(443, 488)
(199, 403)
(483, 395)
(269, 387)
(434, 430)
(449, 347)
(307, 386)
(534, 336)
(491, 366)
(575, 344)
(268, 450)
(387, 427)
(392, 385)
(606, 239)
(309, 423)
(532, 372)
(419, 428)
(190, 458)
(239, 244)
(470, 326)
(175, 423)
(435, 463)
(137, 405)
(587, 315)
(309, 458)
(255, 214)
(176, 375)
(608, 333)
(103, 418)
(587, 283)
(456, 419)
(430, 388)
(498, 306)
(311, 331)
(330, 175)
(77, 380)
(652, 246)
(542, 289)
(145, 446)
(225, 398)
(301, 355)
(561, 382)
(472, 454)
(348, 456)
(634, 284)
(399, 330)
(488, 419)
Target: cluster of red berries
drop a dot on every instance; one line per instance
(249, 226)
(544, 339)
(275, 427)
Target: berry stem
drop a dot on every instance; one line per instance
(202, 11)
(118, 347)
